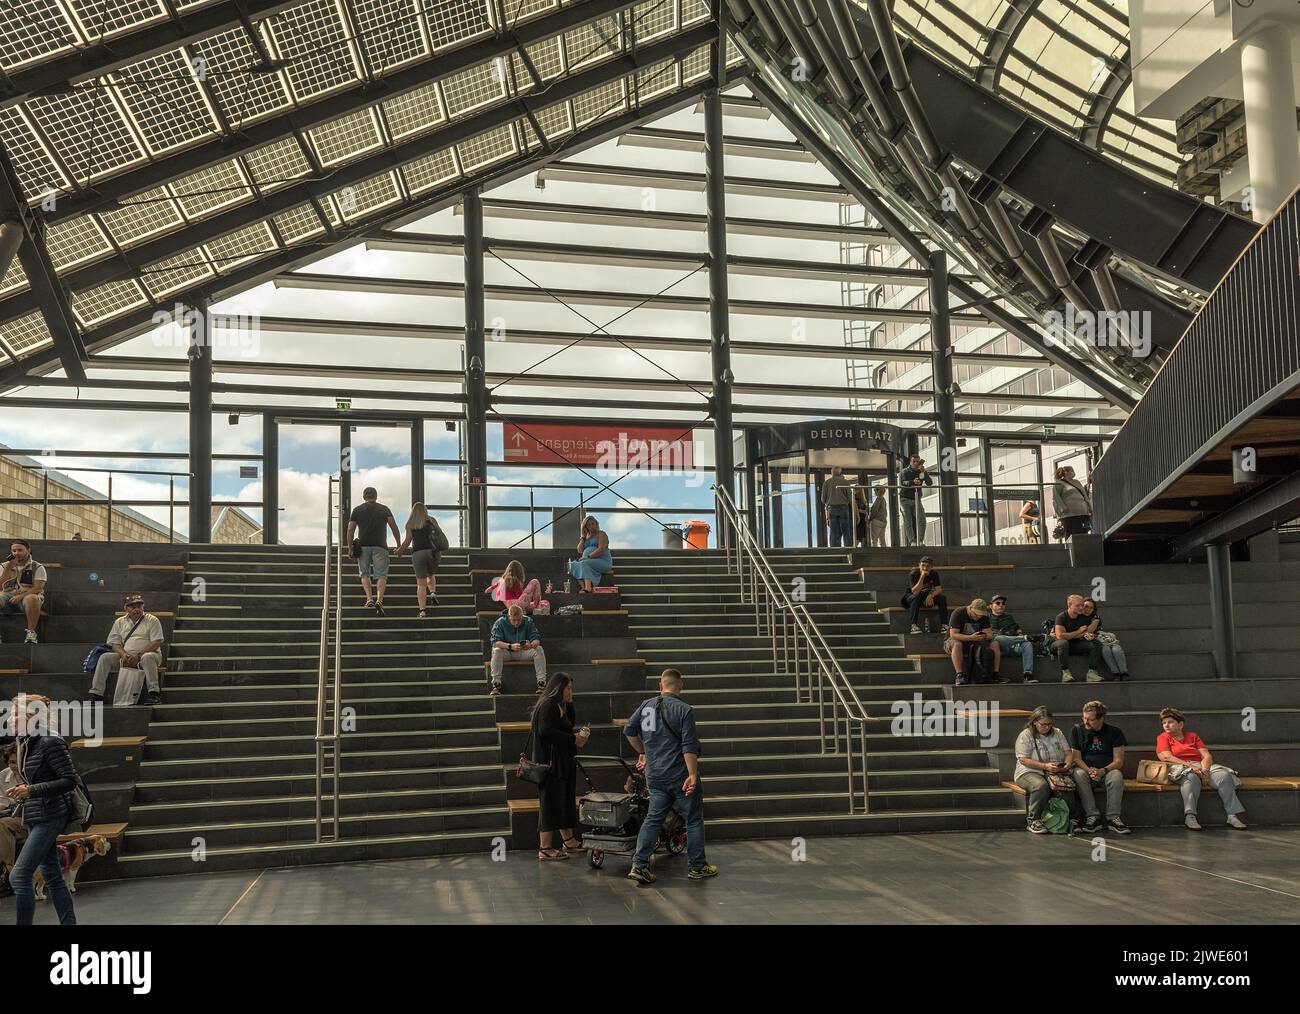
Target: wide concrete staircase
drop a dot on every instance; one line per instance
(228, 775)
(764, 769)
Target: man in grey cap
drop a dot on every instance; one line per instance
(136, 639)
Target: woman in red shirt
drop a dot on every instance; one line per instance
(1194, 769)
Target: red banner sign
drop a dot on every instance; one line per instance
(604, 445)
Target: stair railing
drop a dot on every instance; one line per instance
(800, 649)
(329, 693)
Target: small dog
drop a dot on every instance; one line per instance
(73, 856)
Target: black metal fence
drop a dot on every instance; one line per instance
(1240, 352)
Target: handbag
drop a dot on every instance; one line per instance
(1057, 782)
(1154, 772)
(529, 770)
(92, 660)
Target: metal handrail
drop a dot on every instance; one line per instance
(801, 640)
(331, 584)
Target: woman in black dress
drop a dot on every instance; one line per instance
(556, 741)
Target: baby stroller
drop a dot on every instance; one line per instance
(615, 818)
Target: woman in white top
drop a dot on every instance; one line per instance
(1042, 752)
(1072, 502)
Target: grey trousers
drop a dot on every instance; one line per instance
(1039, 792)
(128, 684)
(501, 655)
(1114, 785)
(1221, 780)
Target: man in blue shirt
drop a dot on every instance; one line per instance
(514, 636)
(662, 731)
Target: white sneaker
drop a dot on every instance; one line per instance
(1067, 676)
(1192, 823)
(1237, 822)
(915, 629)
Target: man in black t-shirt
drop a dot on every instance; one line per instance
(1099, 761)
(1075, 634)
(924, 591)
(370, 547)
(969, 629)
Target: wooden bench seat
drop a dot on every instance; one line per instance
(113, 832)
(1253, 782)
(528, 805)
(84, 744)
(905, 569)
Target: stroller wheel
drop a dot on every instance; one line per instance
(677, 843)
(596, 858)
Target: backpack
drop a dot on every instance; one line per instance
(440, 541)
(1056, 816)
(980, 666)
(92, 660)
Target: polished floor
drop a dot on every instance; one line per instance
(1217, 876)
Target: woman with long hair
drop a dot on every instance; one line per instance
(1029, 518)
(594, 558)
(46, 781)
(556, 741)
(512, 586)
(425, 555)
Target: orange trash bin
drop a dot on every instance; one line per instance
(697, 534)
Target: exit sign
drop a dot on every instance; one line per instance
(1049, 431)
(343, 404)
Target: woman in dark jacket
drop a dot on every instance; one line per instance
(48, 778)
(556, 741)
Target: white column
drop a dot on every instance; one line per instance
(1272, 147)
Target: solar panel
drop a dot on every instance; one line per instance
(220, 186)
(314, 39)
(276, 165)
(346, 138)
(487, 148)
(592, 43)
(37, 171)
(31, 30)
(88, 132)
(546, 59)
(165, 102)
(392, 32)
(429, 171)
(175, 274)
(697, 65)
(100, 20)
(146, 215)
(455, 22)
(657, 79)
(104, 302)
(14, 278)
(473, 88)
(26, 335)
(368, 196)
(414, 112)
(243, 97)
(239, 247)
(299, 223)
(598, 103)
(653, 18)
(519, 11)
(693, 12)
(556, 120)
(76, 242)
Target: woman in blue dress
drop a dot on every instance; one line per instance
(594, 556)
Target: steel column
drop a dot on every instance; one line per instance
(990, 522)
(345, 481)
(715, 184)
(417, 460)
(270, 479)
(1218, 556)
(945, 415)
(199, 323)
(476, 397)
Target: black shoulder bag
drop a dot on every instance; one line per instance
(529, 770)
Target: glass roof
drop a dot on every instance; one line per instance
(92, 135)
(1067, 61)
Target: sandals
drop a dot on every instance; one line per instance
(580, 847)
(549, 855)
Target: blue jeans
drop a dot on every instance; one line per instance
(692, 810)
(913, 526)
(841, 523)
(41, 850)
(1019, 644)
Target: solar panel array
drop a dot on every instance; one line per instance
(79, 149)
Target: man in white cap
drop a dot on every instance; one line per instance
(136, 640)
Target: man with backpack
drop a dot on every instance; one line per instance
(972, 645)
(662, 731)
(136, 641)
